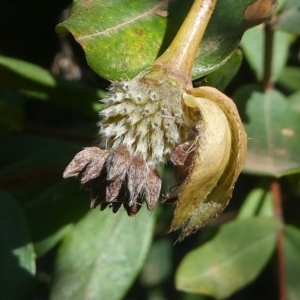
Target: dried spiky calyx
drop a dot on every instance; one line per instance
(105, 172)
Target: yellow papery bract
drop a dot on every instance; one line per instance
(218, 158)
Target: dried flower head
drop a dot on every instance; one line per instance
(143, 121)
(158, 116)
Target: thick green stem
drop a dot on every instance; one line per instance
(179, 58)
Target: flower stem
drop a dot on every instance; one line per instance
(277, 199)
(268, 55)
(179, 57)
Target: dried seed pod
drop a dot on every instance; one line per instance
(150, 119)
(214, 161)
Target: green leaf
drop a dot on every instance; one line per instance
(11, 117)
(122, 38)
(101, 256)
(189, 296)
(158, 265)
(257, 203)
(292, 263)
(37, 152)
(34, 81)
(17, 258)
(229, 261)
(253, 47)
(294, 102)
(267, 206)
(273, 130)
(12, 111)
(52, 214)
(251, 204)
(223, 76)
(290, 78)
(289, 17)
(33, 175)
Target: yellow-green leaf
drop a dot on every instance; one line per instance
(231, 260)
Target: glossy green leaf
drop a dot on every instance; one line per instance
(229, 261)
(136, 32)
(289, 17)
(102, 255)
(17, 257)
(253, 47)
(223, 76)
(273, 130)
(34, 81)
(290, 78)
(292, 262)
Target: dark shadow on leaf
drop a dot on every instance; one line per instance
(16, 252)
(64, 203)
(36, 82)
(34, 177)
(241, 100)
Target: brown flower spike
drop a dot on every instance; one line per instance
(158, 116)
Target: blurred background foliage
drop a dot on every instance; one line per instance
(54, 247)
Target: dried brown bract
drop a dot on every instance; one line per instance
(115, 178)
(208, 164)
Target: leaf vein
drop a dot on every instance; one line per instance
(127, 22)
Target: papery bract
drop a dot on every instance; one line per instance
(215, 159)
